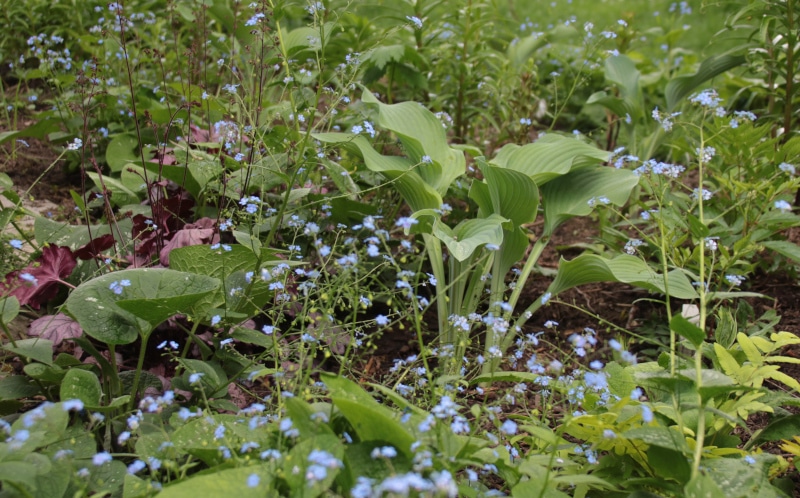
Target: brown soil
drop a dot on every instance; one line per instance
(26, 164)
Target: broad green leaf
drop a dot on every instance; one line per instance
(23, 474)
(227, 482)
(470, 234)
(683, 327)
(572, 194)
(304, 420)
(782, 428)
(549, 157)
(370, 420)
(506, 376)
(664, 437)
(614, 104)
(589, 268)
(422, 134)
(17, 387)
(40, 129)
(513, 194)
(51, 427)
(39, 371)
(298, 459)
(341, 177)
(515, 243)
(9, 309)
(37, 349)
(229, 266)
(735, 477)
(702, 486)
(193, 177)
(398, 170)
(263, 175)
(120, 195)
(83, 385)
(725, 332)
(680, 87)
(134, 487)
(248, 241)
(121, 151)
(537, 488)
(246, 297)
(5, 181)
(133, 178)
(784, 248)
(201, 259)
(585, 479)
(522, 50)
(620, 379)
(307, 37)
(622, 70)
(154, 294)
(213, 375)
(383, 55)
(74, 236)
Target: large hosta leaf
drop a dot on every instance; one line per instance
(152, 296)
(422, 134)
(414, 189)
(622, 71)
(682, 86)
(506, 192)
(549, 157)
(590, 268)
(570, 195)
(468, 235)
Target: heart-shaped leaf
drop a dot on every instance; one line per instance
(117, 307)
(37, 349)
(82, 385)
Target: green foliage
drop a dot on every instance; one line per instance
(278, 192)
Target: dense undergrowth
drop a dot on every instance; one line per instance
(267, 191)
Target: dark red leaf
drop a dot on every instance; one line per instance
(38, 282)
(95, 247)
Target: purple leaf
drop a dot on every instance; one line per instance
(38, 282)
(57, 328)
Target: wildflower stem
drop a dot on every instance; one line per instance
(698, 355)
(139, 365)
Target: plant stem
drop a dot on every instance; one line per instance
(138, 374)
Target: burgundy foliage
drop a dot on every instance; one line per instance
(55, 264)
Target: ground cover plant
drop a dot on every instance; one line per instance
(330, 248)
